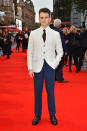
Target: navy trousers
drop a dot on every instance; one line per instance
(47, 74)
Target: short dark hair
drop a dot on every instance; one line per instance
(45, 10)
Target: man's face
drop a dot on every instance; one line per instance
(44, 19)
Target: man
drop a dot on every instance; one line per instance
(1, 39)
(83, 43)
(56, 24)
(42, 62)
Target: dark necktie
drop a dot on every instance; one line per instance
(44, 35)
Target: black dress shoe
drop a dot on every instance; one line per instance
(53, 120)
(36, 120)
(63, 81)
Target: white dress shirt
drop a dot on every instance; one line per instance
(38, 50)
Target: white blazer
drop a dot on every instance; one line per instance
(38, 51)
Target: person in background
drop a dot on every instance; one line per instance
(25, 42)
(17, 39)
(59, 70)
(22, 41)
(6, 47)
(83, 43)
(1, 39)
(66, 33)
(74, 47)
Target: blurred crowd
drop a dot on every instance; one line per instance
(76, 44)
(8, 38)
(75, 40)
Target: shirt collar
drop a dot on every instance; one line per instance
(47, 29)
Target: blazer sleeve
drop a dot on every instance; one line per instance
(30, 51)
(59, 50)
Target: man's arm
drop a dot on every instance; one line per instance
(59, 49)
(30, 55)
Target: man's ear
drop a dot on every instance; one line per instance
(39, 19)
(50, 19)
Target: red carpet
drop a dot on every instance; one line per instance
(17, 99)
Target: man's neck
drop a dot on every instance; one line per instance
(44, 27)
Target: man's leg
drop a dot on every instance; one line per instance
(49, 81)
(76, 62)
(70, 62)
(81, 58)
(38, 86)
(8, 56)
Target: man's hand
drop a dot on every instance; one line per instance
(31, 74)
(67, 41)
(66, 53)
